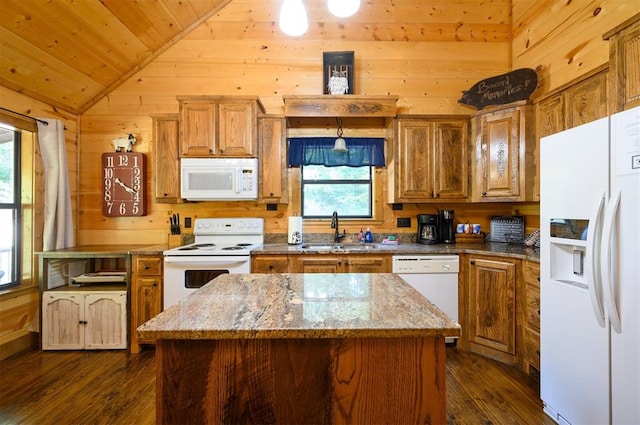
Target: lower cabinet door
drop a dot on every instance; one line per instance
(62, 316)
(106, 320)
(492, 309)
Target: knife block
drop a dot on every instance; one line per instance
(174, 240)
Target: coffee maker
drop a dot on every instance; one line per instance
(427, 229)
(446, 227)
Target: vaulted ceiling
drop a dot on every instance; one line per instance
(72, 53)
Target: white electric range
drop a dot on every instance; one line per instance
(221, 245)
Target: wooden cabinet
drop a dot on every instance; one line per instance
(577, 104)
(351, 263)
(490, 294)
(531, 320)
(272, 148)
(428, 161)
(166, 162)
(624, 72)
(75, 319)
(146, 293)
(218, 126)
(270, 264)
(503, 167)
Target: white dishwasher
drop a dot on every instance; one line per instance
(435, 277)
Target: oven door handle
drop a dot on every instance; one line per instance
(213, 260)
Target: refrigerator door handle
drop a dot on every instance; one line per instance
(608, 280)
(591, 260)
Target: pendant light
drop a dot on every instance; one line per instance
(340, 144)
(343, 8)
(293, 18)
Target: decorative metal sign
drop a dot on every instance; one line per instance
(502, 89)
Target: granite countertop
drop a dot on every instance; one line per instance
(254, 306)
(489, 248)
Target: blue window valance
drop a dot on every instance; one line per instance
(362, 152)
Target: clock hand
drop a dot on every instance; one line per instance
(127, 188)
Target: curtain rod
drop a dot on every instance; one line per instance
(26, 116)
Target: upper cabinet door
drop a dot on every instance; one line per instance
(238, 128)
(166, 160)
(218, 126)
(504, 155)
(272, 132)
(414, 173)
(197, 128)
(428, 160)
(451, 167)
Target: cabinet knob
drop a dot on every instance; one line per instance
(472, 262)
(211, 152)
(271, 194)
(221, 150)
(431, 195)
(146, 267)
(338, 263)
(484, 193)
(166, 194)
(82, 322)
(154, 284)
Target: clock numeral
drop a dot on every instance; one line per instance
(109, 161)
(108, 172)
(123, 160)
(109, 206)
(123, 209)
(135, 210)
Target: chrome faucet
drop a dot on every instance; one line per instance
(337, 237)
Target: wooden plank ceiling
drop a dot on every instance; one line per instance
(71, 54)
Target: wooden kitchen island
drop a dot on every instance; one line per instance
(301, 348)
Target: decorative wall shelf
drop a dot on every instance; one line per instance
(340, 106)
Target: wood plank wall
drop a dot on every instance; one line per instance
(18, 307)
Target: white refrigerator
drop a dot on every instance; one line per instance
(590, 272)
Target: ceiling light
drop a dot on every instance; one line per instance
(340, 144)
(293, 18)
(343, 8)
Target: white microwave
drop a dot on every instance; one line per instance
(218, 179)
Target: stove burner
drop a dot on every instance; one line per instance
(196, 246)
(243, 244)
(233, 248)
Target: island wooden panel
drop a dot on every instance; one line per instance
(338, 381)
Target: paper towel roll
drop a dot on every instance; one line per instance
(295, 230)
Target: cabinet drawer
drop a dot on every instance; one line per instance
(532, 350)
(148, 266)
(533, 306)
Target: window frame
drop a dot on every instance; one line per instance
(370, 183)
(16, 207)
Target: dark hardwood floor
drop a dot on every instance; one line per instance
(114, 387)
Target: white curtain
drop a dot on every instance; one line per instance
(58, 215)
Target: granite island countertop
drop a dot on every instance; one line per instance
(254, 306)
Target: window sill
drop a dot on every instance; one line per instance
(17, 291)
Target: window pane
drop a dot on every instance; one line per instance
(7, 164)
(347, 199)
(320, 172)
(6, 247)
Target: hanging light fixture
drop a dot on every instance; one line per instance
(293, 18)
(340, 144)
(343, 8)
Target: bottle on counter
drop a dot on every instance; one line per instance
(361, 236)
(368, 236)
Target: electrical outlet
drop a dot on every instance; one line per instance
(272, 207)
(404, 222)
(187, 222)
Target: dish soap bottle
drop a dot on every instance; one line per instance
(361, 236)
(368, 237)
